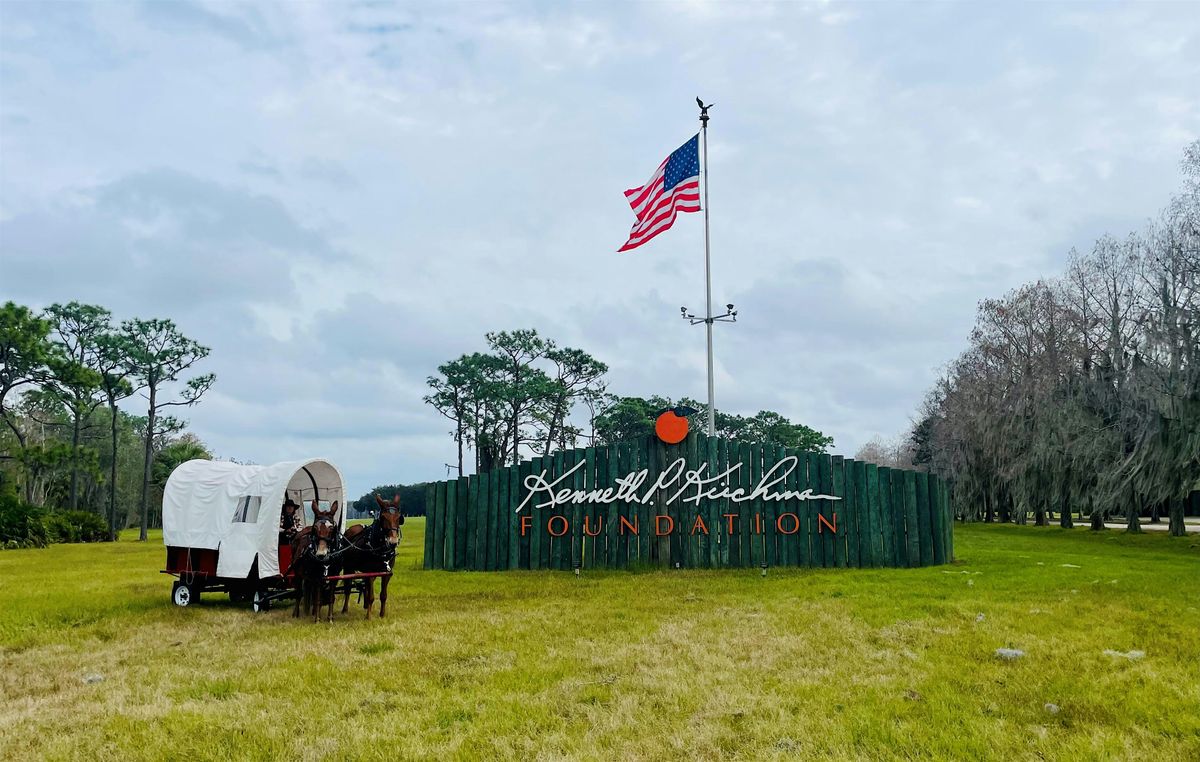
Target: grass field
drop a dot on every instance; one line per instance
(872, 664)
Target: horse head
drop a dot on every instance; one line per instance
(324, 527)
(390, 518)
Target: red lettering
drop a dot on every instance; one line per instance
(758, 523)
(658, 525)
(625, 523)
(525, 522)
(822, 520)
(699, 523)
(731, 517)
(550, 526)
(795, 523)
(599, 524)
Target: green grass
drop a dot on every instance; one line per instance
(874, 664)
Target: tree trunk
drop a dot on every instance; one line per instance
(112, 476)
(149, 455)
(459, 439)
(1064, 517)
(73, 497)
(1176, 527)
(1155, 510)
(1097, 516)
(1133, 515)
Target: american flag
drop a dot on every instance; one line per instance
(674, 188)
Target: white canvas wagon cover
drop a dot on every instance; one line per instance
(235, 509)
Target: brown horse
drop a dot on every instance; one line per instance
(314, 559)
(372, 548)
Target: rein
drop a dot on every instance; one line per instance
(386, 553)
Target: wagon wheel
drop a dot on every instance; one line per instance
(183, 594)
(260, 602)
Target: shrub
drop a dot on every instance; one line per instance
(76, 526)
(21, 525)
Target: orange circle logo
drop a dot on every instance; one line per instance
(671, 428)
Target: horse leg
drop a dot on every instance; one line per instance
(299, 593)
(383, 586)
(369, 586)
(346, 590)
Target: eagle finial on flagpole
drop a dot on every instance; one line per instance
(704, 110)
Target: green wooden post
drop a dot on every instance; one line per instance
(852, 513)
(812, 509)
(523, 540)
(935, 520)
(430, 520)
(727, 549)
(561, 558)
(692, 544)
(618, 467)
(595, 554)
(537, 525)
(677, 537)
(949, 522)
(924, 525)
(840, 509)
(785, 544)
(874, 510)
(827, 509)
(758, 539)
(711, 508)
(660, 547)
(883, 479)
(514, 524)
(445, 500)
(856, 482)
(627, 458)
(745, 535)
(772, 455)
(472, 522)
(504, 517)
(911, 531)
(461, 519)
(551, 544)
(798, 543)
(497, 555)
(449, 524)
(645, 538)
(579, 481)
(486, 536)
(900, 539)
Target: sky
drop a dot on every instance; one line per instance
(337, 198)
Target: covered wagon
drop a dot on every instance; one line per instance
(221, 525)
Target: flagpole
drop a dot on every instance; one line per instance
(730, 314)
(708, 312)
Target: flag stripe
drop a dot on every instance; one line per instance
(646, 207)
(647, 229)
(638, 196)
(655, 206)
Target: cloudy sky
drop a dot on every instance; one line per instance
(336, 198)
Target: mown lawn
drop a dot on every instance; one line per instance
(873, 664)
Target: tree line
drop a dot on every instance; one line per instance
(528, 396)
(65, 441)
(1081, 394)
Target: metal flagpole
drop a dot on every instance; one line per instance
(709, 318)
(708, 313)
